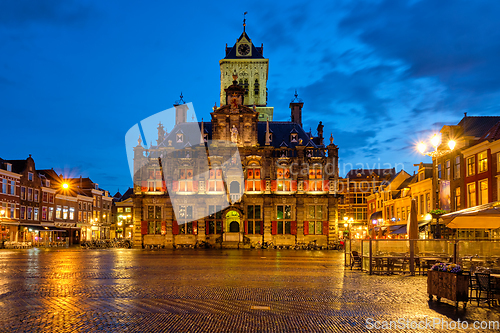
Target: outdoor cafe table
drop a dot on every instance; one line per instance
(389, 262)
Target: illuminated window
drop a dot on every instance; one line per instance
(30, 194)
(471, 166)
(58, 212)
(215, 183)
(51, 214)
(44, 213)
(185, 219)
(23, 193)
(471, 195)
(71, 213)
(155, 180)
(483, 192)
(30, 213)
(35, 197)
(65, 212)
(254, 219)
(482, 159)
(154, 220)
(35, 214)
(315, 219)
(316, 178)
(253, 179)
(284, 180)
(284, 216)
(214, 219)
(186, 180)
(23, 212)
(457, 198)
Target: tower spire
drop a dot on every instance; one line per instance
(244, 21)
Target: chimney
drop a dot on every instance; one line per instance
(296, 109)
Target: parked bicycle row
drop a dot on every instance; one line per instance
(106, 244)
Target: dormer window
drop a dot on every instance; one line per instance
(8, 166)
(47, 183)
(179, 137)
(294, 137)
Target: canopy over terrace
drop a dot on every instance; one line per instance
(479, 217)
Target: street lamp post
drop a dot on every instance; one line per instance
(435, 154)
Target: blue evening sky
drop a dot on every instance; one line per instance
(381, 75)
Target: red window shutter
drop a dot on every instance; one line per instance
(325, 227)
(263, 185)
(293, 228)
(163, 227)
(195, 227)
(144, 186)
(294, 185)
(273, 185)
(246, 227)
(326, 185)
(274, 227)
(261, 227)
(175, 185)
(207, 225)
(144, 227)
(195, 186)
(175, 228)
(306, 228)
(306, 185)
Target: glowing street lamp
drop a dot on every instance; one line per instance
(435, 141)
(65, 186)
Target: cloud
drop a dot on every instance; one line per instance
(454, 41)
(22, 12)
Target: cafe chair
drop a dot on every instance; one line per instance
(355, 259)
(399, 264)
(487, 285)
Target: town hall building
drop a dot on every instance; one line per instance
(280, 181)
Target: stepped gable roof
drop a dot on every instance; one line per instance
(256, 51)
(477, 126)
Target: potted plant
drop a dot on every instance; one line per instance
(445, 280)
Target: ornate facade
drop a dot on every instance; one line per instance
(278, 182)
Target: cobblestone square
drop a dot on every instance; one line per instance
(121, 290)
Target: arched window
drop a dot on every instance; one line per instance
(256, 87)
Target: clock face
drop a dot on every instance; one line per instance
(244, 49)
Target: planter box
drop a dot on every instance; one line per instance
(454, 287)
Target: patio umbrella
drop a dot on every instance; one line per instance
(412, 225)
(412, 228)
(488, 218)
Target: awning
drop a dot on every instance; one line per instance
(376, 216)
(402, 228)
(488, 218)
(38, 227)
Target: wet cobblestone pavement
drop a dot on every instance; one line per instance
(118, 290)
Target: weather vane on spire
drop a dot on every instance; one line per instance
(244, 21)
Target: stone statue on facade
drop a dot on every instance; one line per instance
(234, 134)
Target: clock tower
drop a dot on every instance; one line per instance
(247, 62)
